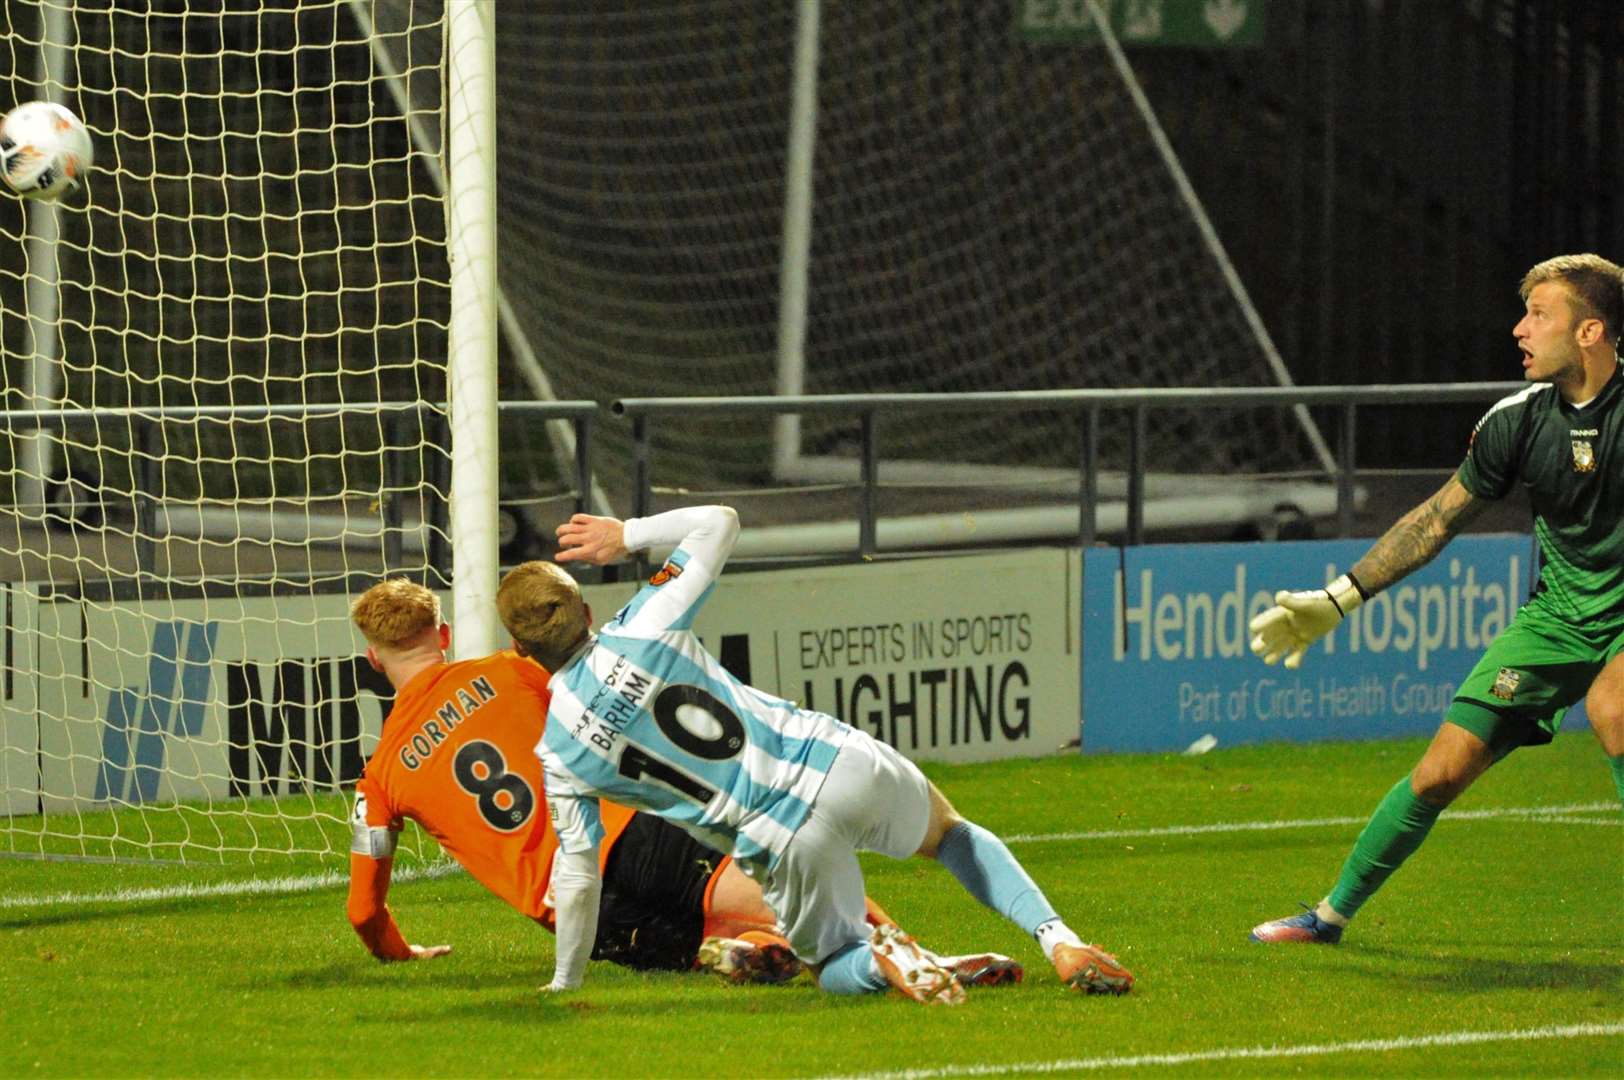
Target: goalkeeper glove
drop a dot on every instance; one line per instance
(1298, 619)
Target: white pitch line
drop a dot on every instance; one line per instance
(250, 887)
(1359, 1046)
(1530, 813)
(333, 878)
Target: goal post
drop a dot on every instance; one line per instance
(36, 452)
(471, 231)
(273, 376)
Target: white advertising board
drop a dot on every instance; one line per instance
(157, 700)
(19, 717)
(947, 659)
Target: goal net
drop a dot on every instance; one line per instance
(985, 214)
(196, 469)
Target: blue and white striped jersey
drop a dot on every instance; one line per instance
(644, 716)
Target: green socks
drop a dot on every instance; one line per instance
(1617, 763)
(1396, 829)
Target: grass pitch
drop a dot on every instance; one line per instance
(1496, 952)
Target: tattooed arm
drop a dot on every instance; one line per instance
(1298, 619)
(1418, 536)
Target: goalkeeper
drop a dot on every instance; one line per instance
(1562, 441)
(455, 755)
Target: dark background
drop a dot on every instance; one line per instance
(1383, 173)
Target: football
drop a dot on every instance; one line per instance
(44, 150)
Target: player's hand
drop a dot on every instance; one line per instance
(428, 952)
(588, 538)
(1298, 619)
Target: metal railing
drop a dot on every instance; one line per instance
(145, 424)
(1087, 404)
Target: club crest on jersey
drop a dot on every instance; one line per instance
(1505, 684)
(665, 573)
(1584, 456)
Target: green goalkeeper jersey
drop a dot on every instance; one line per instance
(1571, 462)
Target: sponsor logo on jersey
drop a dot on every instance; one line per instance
(1505, 684)
(1584, 456)
(665, 573)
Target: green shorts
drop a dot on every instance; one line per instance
(1528, 678)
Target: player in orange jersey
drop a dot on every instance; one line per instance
(456, 756)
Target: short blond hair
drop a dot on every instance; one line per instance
(393, 612)
(541, 606)
(1595, 284)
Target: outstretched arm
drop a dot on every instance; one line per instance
(1298, 619)
(372, 860)
(702, 536)
(1417, 537)
(369, 886)
(707, 532)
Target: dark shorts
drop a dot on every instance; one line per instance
(1530, 675)
(652, 914)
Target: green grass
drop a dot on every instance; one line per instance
(1498, 924)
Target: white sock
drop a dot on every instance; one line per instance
(1329, 914)
(1054, 932)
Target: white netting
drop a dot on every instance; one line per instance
(259, 230)
(987, 214)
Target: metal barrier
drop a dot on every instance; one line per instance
(1087, 404)
(144, 425)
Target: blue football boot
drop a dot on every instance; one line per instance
(1304, 927)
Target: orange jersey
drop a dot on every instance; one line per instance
(457, 756)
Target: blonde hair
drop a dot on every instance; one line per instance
(393, 612)
(541, 607)
(1596, 285)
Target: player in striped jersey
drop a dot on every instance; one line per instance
(1562, 441)
(644, 715)
(456, 754)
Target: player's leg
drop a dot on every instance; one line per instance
(658, 886)
(742, 943)
(734, 905)
(1452, 761)
(817, 886)
(989, 871)
(735, 908)
(1604, 704)
(650, 911)
(1514, 696)
(893, 810)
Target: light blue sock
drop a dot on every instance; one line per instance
(852, 970)
(985, 867)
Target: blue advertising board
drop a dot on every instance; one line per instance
(1166, 659)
